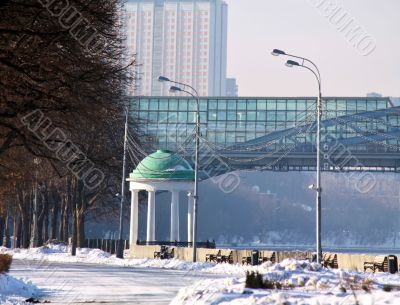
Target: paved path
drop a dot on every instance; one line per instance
(99, 284)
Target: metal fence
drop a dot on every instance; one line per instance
(107, 245)
(110, 245)
(207, 244)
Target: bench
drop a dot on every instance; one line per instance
(157, 254)
(226, 258)
(219, 257)
(246, 260)
(266, 257)
(379, 263)
(170, 254)
(164, 253)
(329, 260)
(213, 257)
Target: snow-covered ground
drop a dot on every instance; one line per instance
(302, 283)
(15, 291)
(94, 284)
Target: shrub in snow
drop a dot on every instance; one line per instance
(367, 285)
(55, 242)
(5, 263)
(301, 281)
(387, 288)
(255, 280)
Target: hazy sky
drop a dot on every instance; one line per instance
(255, 27)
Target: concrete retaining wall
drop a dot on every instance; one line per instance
(345, 261)
(353, 261)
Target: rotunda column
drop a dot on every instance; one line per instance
(151, 213)
(190, 217)
(174, 235)
(133, 230)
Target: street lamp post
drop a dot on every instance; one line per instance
(120, 250)
(291, 63)
(34, 236)
(196, 160)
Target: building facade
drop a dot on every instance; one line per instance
(169, 122)
(185, 40)
(232, 87)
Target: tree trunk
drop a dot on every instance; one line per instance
(19, 232)
(25, 232)
(81, 229)
(42, 212)
(80, 213)
(23, 201)
(35, 211)
(39, 232)
(61, 226)
(74, 208)
(7, 240)
(66, 223)
(74, 232)
(68, 207)
(2, 228)
(46, 226)
(54, 215)
(15, 221)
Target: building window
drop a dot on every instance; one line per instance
(251, 115)
(154, 104)
(231, 115)
(241, 105)
(281, 105)
(261, 115)
(241, 116)
(144, 105)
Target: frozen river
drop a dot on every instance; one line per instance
(100, 284)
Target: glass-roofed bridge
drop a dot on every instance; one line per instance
(277, 133)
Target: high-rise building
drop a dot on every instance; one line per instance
(231, 87)
(185, 40)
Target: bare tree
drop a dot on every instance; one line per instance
(62, 94)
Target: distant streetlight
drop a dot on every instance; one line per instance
(317, 188)
(196, 162)
(174, 89)
(163, 79)
(277, 52)
(291, 63)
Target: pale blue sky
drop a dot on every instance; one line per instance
(257, 26)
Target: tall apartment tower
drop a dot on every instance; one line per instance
(185, 40)
(231, 87)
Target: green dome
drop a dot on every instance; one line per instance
(163, 164)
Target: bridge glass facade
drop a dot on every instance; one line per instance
(168, 122)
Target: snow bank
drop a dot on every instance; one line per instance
(303, 283)
(61, 253)
(15, 291)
